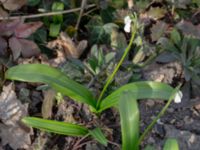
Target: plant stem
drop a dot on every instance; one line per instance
(159, 115)
(110, 78)
(45, 14)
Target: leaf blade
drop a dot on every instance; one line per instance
(141, 90)
(171, 144)
(99, 136)
(129, 118)
(55, 126)
(56, 79)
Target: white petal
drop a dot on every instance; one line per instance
(127, 20)
(127, 28)
(178, 97)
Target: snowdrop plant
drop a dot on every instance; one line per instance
(124, 99)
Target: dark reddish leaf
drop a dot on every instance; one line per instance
(189, 29)
(7, 27)
(15, 47)
(25, 30)
(29, 48)
(3, 46)
(22, 46)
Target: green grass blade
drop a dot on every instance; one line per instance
(140, 90)
(171, 144)
(98, 135)
(53, 77)
(129, 118)
(55, 126)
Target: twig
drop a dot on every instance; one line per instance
(46, 14)
(83, 5)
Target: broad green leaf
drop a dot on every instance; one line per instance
(98, 135)
(129, 118)
(54, 29)
(53, 77)
(56, 126)
(171, 144)
(140, 90)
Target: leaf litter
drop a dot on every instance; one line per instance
(12, 131)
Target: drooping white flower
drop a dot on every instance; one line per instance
(178, 97)
(127, 22)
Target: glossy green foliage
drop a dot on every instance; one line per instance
(53, 77)
(140, 90)
(129, 117)
(56, 126)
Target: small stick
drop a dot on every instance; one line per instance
(45, 14)
(83, 5)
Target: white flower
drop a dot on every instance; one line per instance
(127, 22)
(178, 97)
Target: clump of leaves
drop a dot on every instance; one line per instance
(16, 33)
(186, 50)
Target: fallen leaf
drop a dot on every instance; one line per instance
(15, 47)
(156, 13)
(29, 48)
(13, 4)
(22, 46)
(3, 46)
(189, 29)
(47, 104)
(3, 13)
(7, 27)
(65, 43)
(26, 29)
(158, 30)
(11, 112)
(16, 137)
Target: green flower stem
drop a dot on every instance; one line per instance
(159, 115)
(110, 78)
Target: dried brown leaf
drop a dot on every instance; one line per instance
(3, 13)
(26, 29)
(22, 46)
(11, 112)
(7, 27)
(156, 13)
(15, 47)
(158, 30)
(189, 29)
(47, 104)
(65, 43)
(29, 48)
(3, 46)
(13, 4)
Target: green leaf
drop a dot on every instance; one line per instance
(171, 144)
(117, 3)
(97, 32)
(129, 118)
(140, 90)
(53, 77)
(175, 37)
(54, 29)
(99, 136)
(57, 6)
(56, 126)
